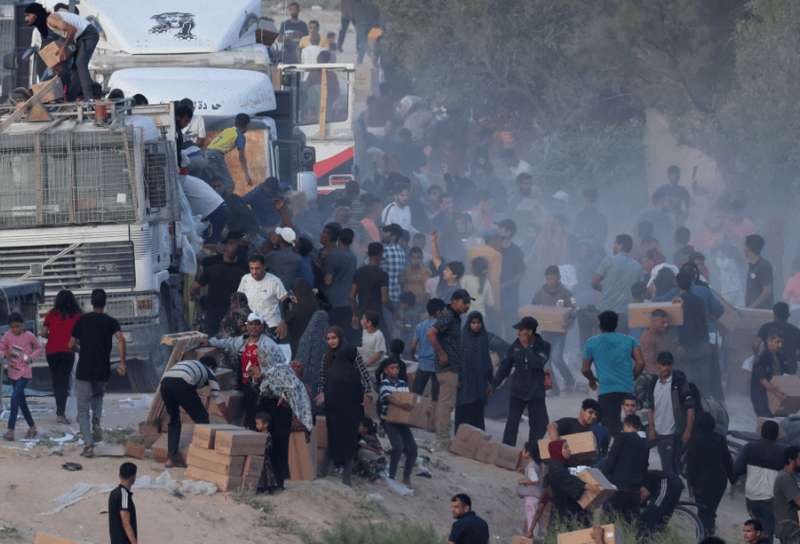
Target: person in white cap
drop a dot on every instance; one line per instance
(560, 200)
(284, 262)
(245, 349)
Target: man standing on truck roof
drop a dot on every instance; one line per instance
(224, 143)
(75, 30)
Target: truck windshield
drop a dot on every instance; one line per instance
(311, 103)
(66, 178)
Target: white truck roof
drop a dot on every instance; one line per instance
(216, 92)
(172, 26)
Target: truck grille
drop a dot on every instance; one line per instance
(104, 265)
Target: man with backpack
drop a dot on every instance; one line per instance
(671, 407)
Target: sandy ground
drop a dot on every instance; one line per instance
(30, 479)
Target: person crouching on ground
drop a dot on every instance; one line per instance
(370, 453)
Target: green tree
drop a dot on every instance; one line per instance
(760, 123)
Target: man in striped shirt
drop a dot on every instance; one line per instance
(179, 390)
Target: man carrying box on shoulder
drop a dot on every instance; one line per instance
(553, 293)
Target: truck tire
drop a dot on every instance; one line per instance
(145, 375)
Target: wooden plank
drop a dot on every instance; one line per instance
(131, 174)
(21, 112)
(180, 342)
(37, 153)
(323, 104)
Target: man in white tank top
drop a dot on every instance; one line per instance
(75, 30)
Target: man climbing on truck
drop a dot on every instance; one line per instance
(224, 143)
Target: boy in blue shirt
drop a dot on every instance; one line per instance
(426, 358)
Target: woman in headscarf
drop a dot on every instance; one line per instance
(708, 466)
(334, 336)
(566, 488)
(476, 373)
(311, 351)
(343, 411)
(232, 325)
(298, 312)
(284, 397)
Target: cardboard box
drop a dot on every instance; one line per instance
(611, 535)
(134, 449)
(639, 313)
(522, 540)
(760, 422)
(253, 466)
(550, 318)
(240, 442)
(582, 447)
(225, 465)
(729, 319)
(204, 434)
(160, 446)
(487, 453)
(302, 456)
(49, 53)
(250, 483)
(467, 441)
(197, 353)
(195, 452)
(752, 320)
(47, 538)
(322, 432)
(55, 93)
(223, 482)
(234, 404)
(790, 386)
(417, 417)
(150, 431)
(296, 202)
(508, 457)
(594, 476)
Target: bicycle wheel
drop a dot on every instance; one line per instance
(686, 524)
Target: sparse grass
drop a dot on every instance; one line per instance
(146, 442)
(374, 507)
(9, 533)
(628, 532)
(118, 437)
(403, 533)
(444, 443)
(253, 500)
(438, 465)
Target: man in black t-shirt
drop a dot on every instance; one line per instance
(590, 410)
(222, 280)
(371, 289)
(121, 510)
(759, 293)
(91, 337)
(292, 30)
(680, 199)
(468, 527)
(791, 335)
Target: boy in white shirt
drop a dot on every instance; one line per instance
(373, 344)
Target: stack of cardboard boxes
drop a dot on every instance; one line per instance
(473, 443)
(227, 456)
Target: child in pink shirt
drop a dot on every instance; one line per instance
(21, 348)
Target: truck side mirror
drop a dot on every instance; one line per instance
(10, 61)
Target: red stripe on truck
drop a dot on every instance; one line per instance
(323, 167)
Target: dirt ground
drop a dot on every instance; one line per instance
(30, 479)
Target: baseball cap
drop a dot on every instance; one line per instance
(508, 224)
(561, 195)
(287, 234)
(395, 229)
(255, 316)
(527, 322)
(462, 294)
(492, 233)
(665, 357)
